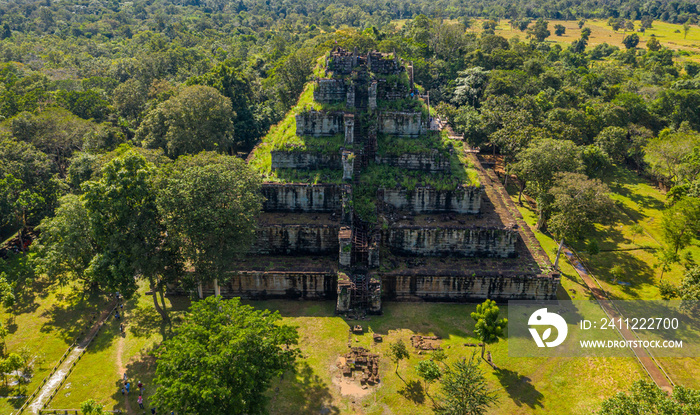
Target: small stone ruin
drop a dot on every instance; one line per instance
(362, 361)
(426, 342)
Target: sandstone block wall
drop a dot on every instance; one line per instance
(401, 123)
(260, 285)
(383, 64)
(341, 63)
(303, 160)
(470, 288)
(464, 199)
(329, 91)
(301, 197)
(296, 239)
(319, 123)
(467, 242)
(416, 161)
(388, 92)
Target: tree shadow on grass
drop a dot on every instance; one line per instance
(144, 320)
(644, 201)
(303, 392)
(637, 272)
(519, 388)
(414, 392)
(74, 315)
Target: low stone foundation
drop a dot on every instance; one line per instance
(467, 242)
(464, 199)
(301, 197)
(304, 160)
(470, 288)
(296, 239)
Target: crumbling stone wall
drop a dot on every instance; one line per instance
(401, 123)
(457, 241)
(416, 161)
(329, 91)
(304, 160)
(319, 123)
(470, 288)
(464, 199)
(383, 63)
(387, 92)
(341, 61)
(301, 197)
(296, 239)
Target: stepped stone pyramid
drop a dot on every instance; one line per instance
(365, 202)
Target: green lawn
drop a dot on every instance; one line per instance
(637, 202)
(98, 374)
(44, 322)
(523, 385)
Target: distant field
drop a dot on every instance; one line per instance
(602, 33)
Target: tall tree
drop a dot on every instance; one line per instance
(222, 358)
(631, 41)
(196, 119)
(681, 223)
(668, 155)
(398, 352)
(538, 164)
(209, 203)
(237, 88)
(690, 290)
(429, 371)
(614, 141)
(578, 202)
(29, 189)
(127, 228)
(489, 327)
(464, 390)
(539, 31)
(65, 246)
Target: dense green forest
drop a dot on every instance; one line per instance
(124, 125)
(172, 79)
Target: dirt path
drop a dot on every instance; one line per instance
(650, 364)
(121, 369)
(63, 370)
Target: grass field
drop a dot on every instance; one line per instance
(602, 33)
(98, 375)
(523, 385)
(637, 202)
(45, 321)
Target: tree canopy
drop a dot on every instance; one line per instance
(645, 397)
(238, 350)
(198, 118)
(209, 203)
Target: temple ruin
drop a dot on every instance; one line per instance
(364, 202)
